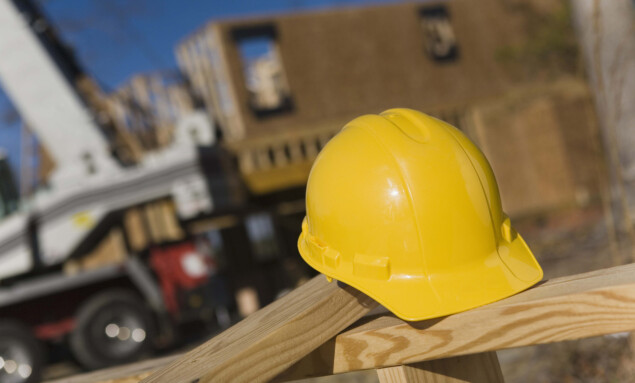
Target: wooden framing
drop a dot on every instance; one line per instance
(283, 160)
(111, 250)
(269, 341)
(110, 113)
(596, 303)
(147, 108)
(154, 222)
(280, 161)
(477, 368)
(202, 58)
(297, 336)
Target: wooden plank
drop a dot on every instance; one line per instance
(125, 139)
(162, 221)
(153, 221)
(220, 222)
(171, 227)
(110, 250)
(196, 75)
(161, 104)
(267, 342)
(579, 306)
(135, 229)
(476, 368)
(597, 303)
(130, 373)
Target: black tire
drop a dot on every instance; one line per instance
(112, 327)
(19, 347)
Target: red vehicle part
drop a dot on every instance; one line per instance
(54, 330)
(179, 268)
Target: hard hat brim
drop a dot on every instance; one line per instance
(503, 273)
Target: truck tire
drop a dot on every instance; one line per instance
(112, 327)
(21, 354)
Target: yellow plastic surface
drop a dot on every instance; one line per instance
(406, 208)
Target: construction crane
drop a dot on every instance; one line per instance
(100, 260)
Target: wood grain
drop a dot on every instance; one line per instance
(130, 373)
(579, 306)
(476, 368)
(267, 342)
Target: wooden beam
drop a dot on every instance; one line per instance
(135, 229)
(585, 305)
(130, 373)
(267, 342)
(477, 368)
(579, 306)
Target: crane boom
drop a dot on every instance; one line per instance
(48, 103)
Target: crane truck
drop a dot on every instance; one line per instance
(101, 260)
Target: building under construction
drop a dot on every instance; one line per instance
(280, 86)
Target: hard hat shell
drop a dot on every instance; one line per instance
(406, 208)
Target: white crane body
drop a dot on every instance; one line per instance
(87, 182)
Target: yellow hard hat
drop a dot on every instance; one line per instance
(406, 209)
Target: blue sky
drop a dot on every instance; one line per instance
(115, 38)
